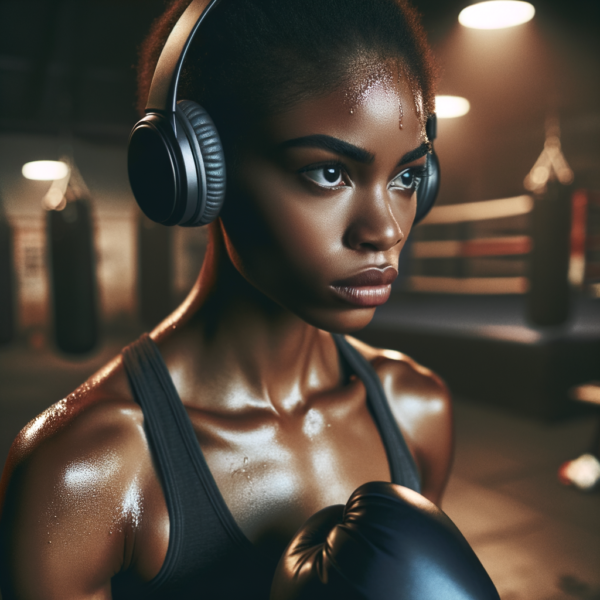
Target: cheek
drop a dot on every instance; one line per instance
(279, 231)
(310, 233)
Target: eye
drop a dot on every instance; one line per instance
(409, 179)
(327, 176)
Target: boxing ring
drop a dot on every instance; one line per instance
(479, 332)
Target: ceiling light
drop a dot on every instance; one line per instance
(45, 170)
(449, 107)
(496, 14)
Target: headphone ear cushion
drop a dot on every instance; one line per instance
(212, 157)
(428, 188)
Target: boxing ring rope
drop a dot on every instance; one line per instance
(464, 249)
(519, 244)
(478, 211)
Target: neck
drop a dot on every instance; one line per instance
(228, 327)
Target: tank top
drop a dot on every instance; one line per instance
(208, 555)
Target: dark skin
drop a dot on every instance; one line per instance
(251, 358)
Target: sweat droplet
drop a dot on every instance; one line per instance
(313, 423)
(400, 113)
(245, 460)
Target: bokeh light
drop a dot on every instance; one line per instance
(450, 107)
(45, 170)
(496, 14)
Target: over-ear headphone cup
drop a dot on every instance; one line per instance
(428, 188)
(212, 158)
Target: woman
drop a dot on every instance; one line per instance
(261, 417)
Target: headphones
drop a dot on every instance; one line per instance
(175, 158)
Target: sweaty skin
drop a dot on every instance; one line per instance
(252, 361)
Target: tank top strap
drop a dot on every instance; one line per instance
(402, 465)
(197, 511)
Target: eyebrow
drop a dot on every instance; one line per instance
(327, 142)
(418, 152)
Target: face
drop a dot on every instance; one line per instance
(323, 199)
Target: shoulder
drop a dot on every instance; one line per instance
(64, 482)
(405, 381)
(421, 404)
(99, 413)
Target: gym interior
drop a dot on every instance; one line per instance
(499, 287)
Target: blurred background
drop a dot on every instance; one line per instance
(499, 290)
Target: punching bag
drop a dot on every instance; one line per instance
(548, 296)
(73, 277)
(7, 287)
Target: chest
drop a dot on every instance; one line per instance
(265, 472)
(273, 471)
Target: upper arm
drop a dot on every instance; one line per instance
(62, 532)
(432, 433)
(421, 404)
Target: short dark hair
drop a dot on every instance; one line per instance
(258, 57)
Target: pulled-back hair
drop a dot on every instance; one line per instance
(258, 57)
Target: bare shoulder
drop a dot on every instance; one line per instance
(406, 381)
(79, 421)
(62, 488)
(422, 407)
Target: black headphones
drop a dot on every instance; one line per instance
(175, 159)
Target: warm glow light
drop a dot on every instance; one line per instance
(496, 14)
(478, 211)
(449, 107)
(468, 285)
(45, 170)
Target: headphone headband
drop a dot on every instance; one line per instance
(176, 162)
(163, 89)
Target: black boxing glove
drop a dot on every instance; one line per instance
(387, 543)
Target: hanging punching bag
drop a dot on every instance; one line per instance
(73, 277)
(548, 296)
(7, 288)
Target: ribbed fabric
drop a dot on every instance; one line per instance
(402, 466)
(208, 554)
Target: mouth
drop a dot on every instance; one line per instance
(368, 288)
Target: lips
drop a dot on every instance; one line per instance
(368, 278)
(368, 288)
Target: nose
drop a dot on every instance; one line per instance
(374, 225)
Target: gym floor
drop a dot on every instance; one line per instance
(537, 539)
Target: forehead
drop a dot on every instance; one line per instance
(367, 75)
(377, 110)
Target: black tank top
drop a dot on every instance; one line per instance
(208, 555)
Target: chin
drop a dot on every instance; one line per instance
(340, 321)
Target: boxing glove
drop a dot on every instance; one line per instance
(387, 543)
